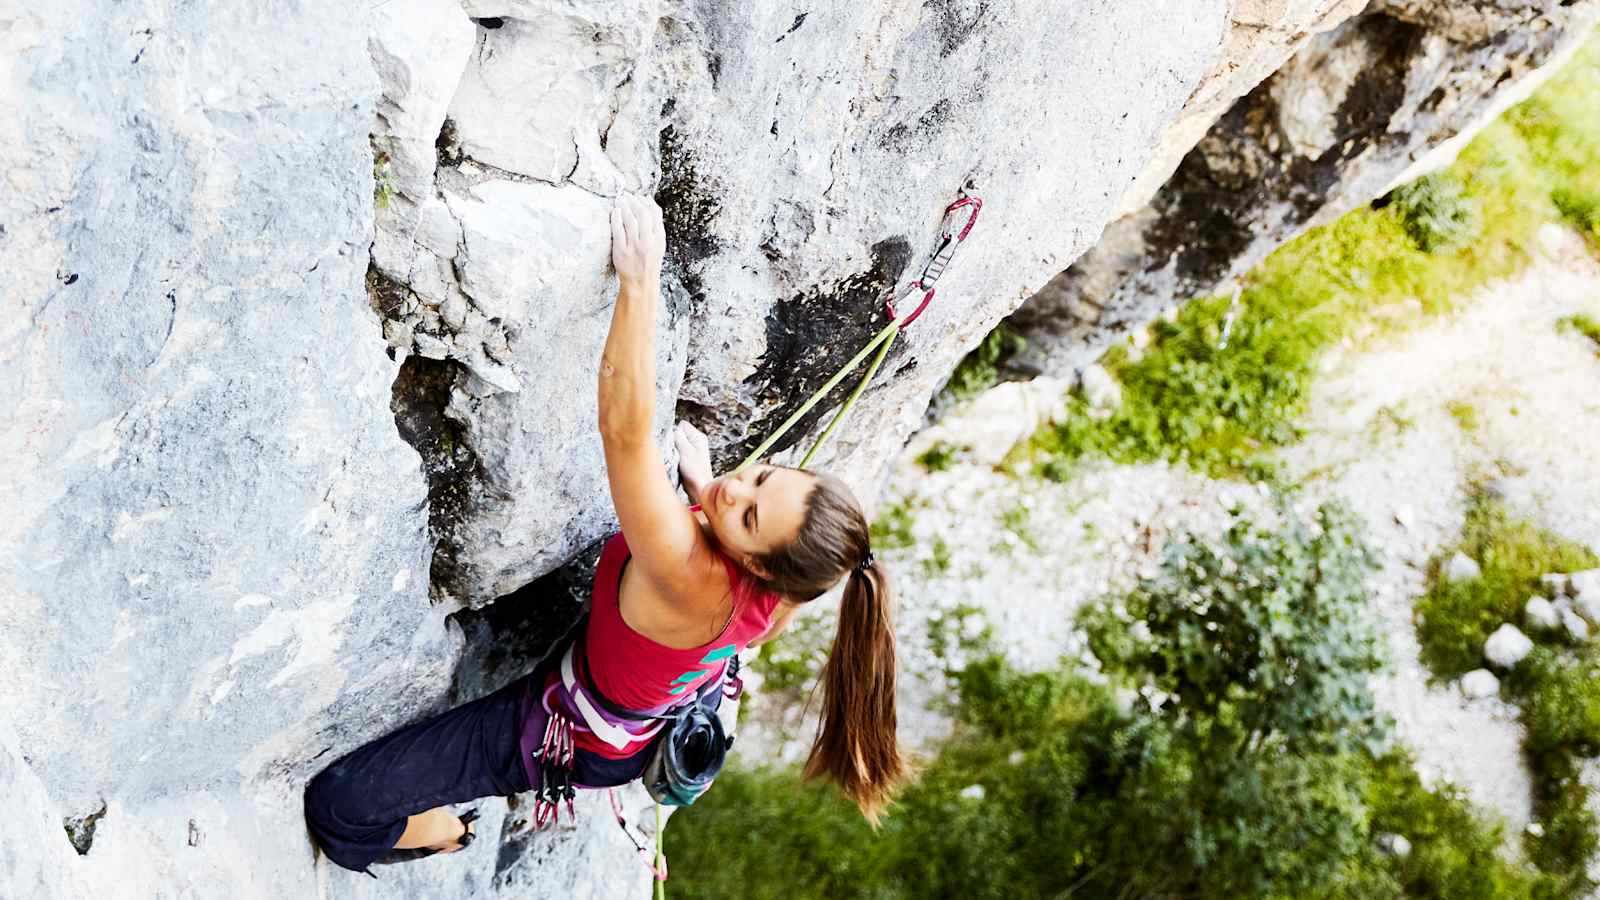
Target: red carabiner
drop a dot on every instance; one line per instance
(948, 240)
(977, 206)
(926, 299)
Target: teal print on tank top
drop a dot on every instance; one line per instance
(717, 655)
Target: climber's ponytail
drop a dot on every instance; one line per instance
(856, 746)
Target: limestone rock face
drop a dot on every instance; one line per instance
(1261, 36)
(1355, 109)
(802, 161)
(305, 313)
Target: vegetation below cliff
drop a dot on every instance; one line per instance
(1229, 748)
(1191, 396)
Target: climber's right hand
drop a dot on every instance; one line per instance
(694, 459)
(638, 241)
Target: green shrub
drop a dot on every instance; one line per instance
(891, 530)
(1264, 634)
(1455, 618)
(979, 370)
(1437, 214)
(937, 458)
(1557, 688)
(1570, 833)
(1454, 854)
(383, 187)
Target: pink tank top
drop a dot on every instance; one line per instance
(635, 672)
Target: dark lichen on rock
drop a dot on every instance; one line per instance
(811, 335)
(420, 400)
(506, 639)
(80, 829)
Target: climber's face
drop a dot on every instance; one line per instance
(756, 510)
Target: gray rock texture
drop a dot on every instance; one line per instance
(1355, 109)
(305, 308)
(802, 161)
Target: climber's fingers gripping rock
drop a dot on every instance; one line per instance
(694, 459)
(638, 239)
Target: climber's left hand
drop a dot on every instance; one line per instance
(638, 241)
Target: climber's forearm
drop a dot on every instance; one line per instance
(628, 365)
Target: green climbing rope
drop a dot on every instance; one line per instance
(937, 261)
(880, 342)
(661, 857)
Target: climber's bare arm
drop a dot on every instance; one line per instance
(662, 534)
(780, 620)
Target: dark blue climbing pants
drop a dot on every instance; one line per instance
(356, 808)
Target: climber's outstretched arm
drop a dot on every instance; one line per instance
(662, 534)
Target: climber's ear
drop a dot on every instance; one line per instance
(755, 568)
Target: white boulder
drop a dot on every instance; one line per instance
(1585, 590)
(1575, 626)
(1479, 683)
(1558, 584)
(1394, 844)
(1100, 389)
(1507, 647)
(1541, 613)
(1461, 567)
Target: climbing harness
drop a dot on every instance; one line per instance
(933, 268)
(687, 733)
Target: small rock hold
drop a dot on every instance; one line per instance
(1507, 647)
(1461, 568)
(431, 347)
(1479, 683)
(454, 312)
(80, 829)
(1585, 590)
(1540, 613)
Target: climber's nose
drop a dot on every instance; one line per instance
(734, 490)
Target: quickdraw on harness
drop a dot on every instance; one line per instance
(952, 232)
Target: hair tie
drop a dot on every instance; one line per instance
(866, 563)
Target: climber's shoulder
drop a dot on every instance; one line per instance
(663, 537)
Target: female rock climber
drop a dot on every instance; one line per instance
(676, 594)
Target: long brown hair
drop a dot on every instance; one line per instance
(856, 746)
